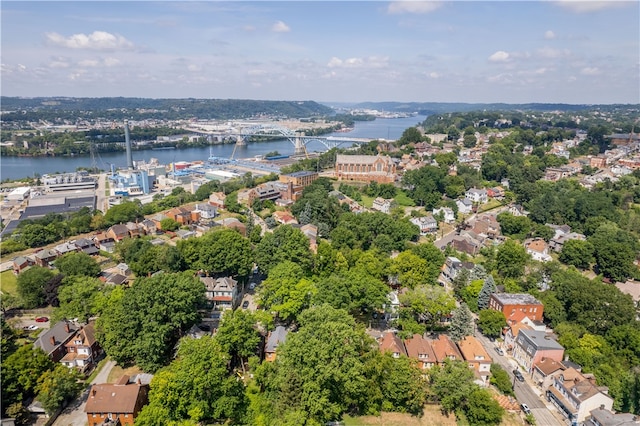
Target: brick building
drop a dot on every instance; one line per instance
(508, 303)
(365, 168)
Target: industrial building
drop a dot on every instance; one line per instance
(68, 182)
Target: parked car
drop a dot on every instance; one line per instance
(525, 408)
(31, 327)
(245, 304)
(252, 286)
(500, 351)
(42, 319)
(518, 375)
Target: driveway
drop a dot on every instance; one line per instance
(74, 414)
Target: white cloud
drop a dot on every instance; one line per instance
(590, 71)
(549, 35)
(256, 72)
(368, 62)
(97, 40)
(22, 67)
(434, 75)
(194, 68)
(580, 6)
(280, 27)
(89, 63)
(111, 62)
(58, 64)
(551, 53)
(500, 56)
(414, 7)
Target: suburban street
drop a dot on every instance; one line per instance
(544, 415)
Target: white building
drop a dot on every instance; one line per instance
(427, 224)
(19, 194)
(477, 195)
(447, 214)
(383, 205)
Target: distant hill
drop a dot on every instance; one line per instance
(140, 108)
(428, 108)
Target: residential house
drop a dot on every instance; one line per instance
(87, 246)
(392, 343)
(531, 346)
(206, 211)
(117, 403)
(366, 168)
(603, 417)
(477, 196)
(576, 395)
(182, 215)
(447, 214)
(383, 205)
(104, 242)
(274, 339)
(427, 224)
(465, 206)
(421, 350)
(217, 199)
(557, 242)
(21, 263)
(65, 248)
(149, 226)
(522, 318)
(452, 267)
(45, 257)
(134, 229)
(466, 244)
(496, 192)
(53, 341)
(118, 232)
(486, 225)
(311, 232)
(284, 218)
(538, 249)
(82, 349)
(223, 292)
(476, 356)
(233, 223)
(508, 303)
(444, 348)
(511, 332)
(545, 371)
(517, 210)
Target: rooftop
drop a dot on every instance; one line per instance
(515, 299)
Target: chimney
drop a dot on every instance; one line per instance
(602, 406)
(66, 327)
(93, 393)
(53, 340)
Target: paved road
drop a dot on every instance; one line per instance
(74, 414)
(545, 416)
(101, 198)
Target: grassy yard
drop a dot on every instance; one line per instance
(9, 283)
(117, 372)
(403, 199)
(432, 416)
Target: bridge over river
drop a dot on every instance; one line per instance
(243, 132)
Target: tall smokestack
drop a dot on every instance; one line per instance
(127, 141)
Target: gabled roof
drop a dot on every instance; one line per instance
(549, 366)
(86, 334)
(472, 350)
(392, 343)
(277, 336)
(56, 336)
(444, 348)
(120, 397)
(418, 347)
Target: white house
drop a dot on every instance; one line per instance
(465, 206)
(206, 211)
(576, 395)
(427, 224)
(477, 195)
(223, 292)
(383, 205)
(447, 214)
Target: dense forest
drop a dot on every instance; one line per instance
(60, 109)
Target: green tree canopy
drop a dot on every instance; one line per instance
(77, 264)
(511, 259)
(58, 387)
(195, 387)
(284, 244)
(491, 322)
(81, 297)
(31, 284)
(142, 324)
(222, 251)
(461, 323)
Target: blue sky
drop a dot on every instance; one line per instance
(459, 51)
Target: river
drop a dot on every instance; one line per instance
(20, 167)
